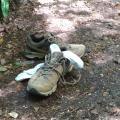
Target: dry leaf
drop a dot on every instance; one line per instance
(13, 114)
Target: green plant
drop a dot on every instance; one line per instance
(5, 7)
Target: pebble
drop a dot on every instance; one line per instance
(117, 46)
(101, 75)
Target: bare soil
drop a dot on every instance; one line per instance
(94, 23)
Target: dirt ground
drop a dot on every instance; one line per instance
(94, 23)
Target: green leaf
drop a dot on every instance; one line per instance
(3, 69)
(5, 7)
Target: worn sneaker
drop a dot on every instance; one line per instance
(38, 44)
(44, 81)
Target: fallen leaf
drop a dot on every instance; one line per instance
(36, 109)
(13, 114)
(3, 69)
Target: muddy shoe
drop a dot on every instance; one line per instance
(44, 81)
(39, 42)
(38, 45)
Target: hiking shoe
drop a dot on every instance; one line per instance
(38, 45)
(44, 81)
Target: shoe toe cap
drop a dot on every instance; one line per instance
(41, 89)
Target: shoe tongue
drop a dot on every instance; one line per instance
(56, 57)
(54, 48)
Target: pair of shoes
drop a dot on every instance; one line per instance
(44, 81)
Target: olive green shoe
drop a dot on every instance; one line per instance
(44, 81)
(42, 40)
(38, 45)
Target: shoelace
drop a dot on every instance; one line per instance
(48, 67)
